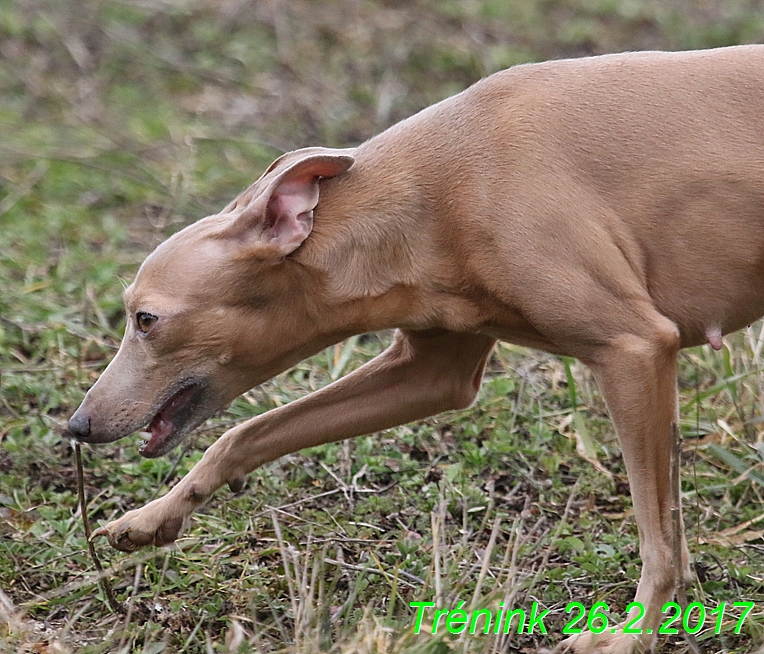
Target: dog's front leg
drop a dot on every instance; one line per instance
(419, 375)
(637, 373)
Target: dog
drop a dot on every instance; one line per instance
(608, 208)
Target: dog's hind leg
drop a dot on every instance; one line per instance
(637, 374)
(419, 375)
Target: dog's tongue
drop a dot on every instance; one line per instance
(160, 428)
(163, 423)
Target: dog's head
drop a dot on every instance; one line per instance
(213, 311)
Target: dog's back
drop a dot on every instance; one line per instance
(656, 158)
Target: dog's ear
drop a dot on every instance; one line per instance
(281, 217)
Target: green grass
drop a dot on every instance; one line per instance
(122, 122)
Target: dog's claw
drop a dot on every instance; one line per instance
(101, 531)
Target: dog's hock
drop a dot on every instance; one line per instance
(281, 217)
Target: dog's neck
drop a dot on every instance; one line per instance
(372, 245)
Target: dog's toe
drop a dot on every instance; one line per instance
(168, 532)
(128, 539)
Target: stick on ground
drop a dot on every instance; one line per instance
(676, 520)
(103, 580)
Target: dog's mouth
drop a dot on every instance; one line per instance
(173, 421)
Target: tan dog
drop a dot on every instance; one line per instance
(609, 208)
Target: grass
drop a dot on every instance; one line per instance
(122, 122)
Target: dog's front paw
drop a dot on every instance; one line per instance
(150, 525)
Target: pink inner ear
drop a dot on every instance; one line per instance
(295, 196)
(290, 212)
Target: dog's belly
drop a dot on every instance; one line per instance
(720, 308)
(704, 255)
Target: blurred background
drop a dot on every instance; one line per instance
(121, 122)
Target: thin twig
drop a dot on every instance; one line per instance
(105, 584)
(287, 574)
(383, 573)
(436, 558)
(486, 561)
(130, 606)
(560, 526)
(676, 519)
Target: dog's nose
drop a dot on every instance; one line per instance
(79, 425)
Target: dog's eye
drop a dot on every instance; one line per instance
(145, 321)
